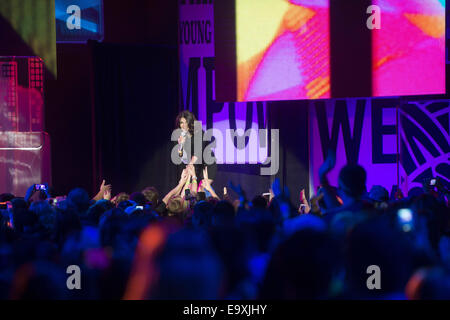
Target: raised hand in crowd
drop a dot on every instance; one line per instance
(281, 196)
(184, 176)
(101, 193)
(241, 194)
(107, 194)
(184, 179)
(329, 196)
(271, 195)
(37, 192)
(237, 189)
(304, 206)
(326, 167)
(207, 185)
(315, 207)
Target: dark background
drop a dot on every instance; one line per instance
(69, 115)
(136, 103)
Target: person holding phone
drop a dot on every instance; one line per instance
(37, 192)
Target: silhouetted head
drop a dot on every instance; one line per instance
(376, 242)
(80, 199)
(259, 202)
(24, 220)
(176, 208)
(125, 204)
(379, 194)
(39, 280)
(352, 181)
(111, 224)
(302, 267)
(67, 222)
(202, 214)
(223, 214)
(139, 198)
(45, 213)
(151, 194)
(122, 197)
(95, 212)
(189, 268)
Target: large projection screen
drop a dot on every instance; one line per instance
(316, 49)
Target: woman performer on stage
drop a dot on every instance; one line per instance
(194, 165)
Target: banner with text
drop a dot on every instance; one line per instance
(364, 131)
(230, 121)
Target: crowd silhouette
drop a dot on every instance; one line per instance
(196, 245)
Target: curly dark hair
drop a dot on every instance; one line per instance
(190, 118)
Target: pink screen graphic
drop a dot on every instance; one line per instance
(294, 63)
(288, 58)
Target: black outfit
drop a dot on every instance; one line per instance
(212, 168)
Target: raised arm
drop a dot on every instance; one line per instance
(329, 196)
(178, 188)
(104, 190)
(303, 203)
(242, 196)
(207, 185)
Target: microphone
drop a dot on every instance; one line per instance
(180, 149)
